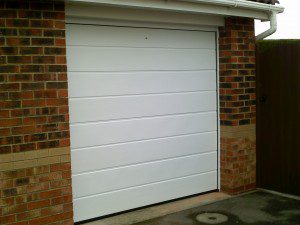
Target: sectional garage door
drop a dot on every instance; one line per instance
(143, 115)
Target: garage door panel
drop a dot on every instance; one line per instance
(140, 174)
(138, 59)
(143, 151)
(142, 195)
(110, 108)
(94, 84)
(138, 37)
(143, 116)
(93, 134)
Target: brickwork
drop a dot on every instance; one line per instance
(35, 170)
(35, 173)
(237, 105)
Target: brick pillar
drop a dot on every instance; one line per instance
(35, 173)
(237, 105)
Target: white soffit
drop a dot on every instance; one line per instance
(241, 8)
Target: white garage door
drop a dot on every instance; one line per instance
(143, 116)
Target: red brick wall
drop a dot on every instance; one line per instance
(35, 173)
(237, 105)
(35, 170)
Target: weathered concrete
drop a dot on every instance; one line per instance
(257, 208)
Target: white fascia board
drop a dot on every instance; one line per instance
(242, 8)
(88, 13)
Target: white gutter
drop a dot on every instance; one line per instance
(173, 4)
(242, 4)
(273, 27)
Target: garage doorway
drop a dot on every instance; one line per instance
(143, 116)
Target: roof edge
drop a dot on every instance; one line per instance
(241, 8)
(243, 4)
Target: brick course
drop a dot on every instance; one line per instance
(35, 172)
(237, 105)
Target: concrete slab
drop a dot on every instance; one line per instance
(160, 210)
(256, 208)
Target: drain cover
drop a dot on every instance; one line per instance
(211, 218)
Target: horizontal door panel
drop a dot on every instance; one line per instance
(109, 108)
(102, 133)
(83, 84)
(141, 152)
(131, 59)
(117, 201)
(135, 175)
(89, 35)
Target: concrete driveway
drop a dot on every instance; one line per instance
(256, 208)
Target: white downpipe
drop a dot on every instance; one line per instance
(274, 10)
(272, 30)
